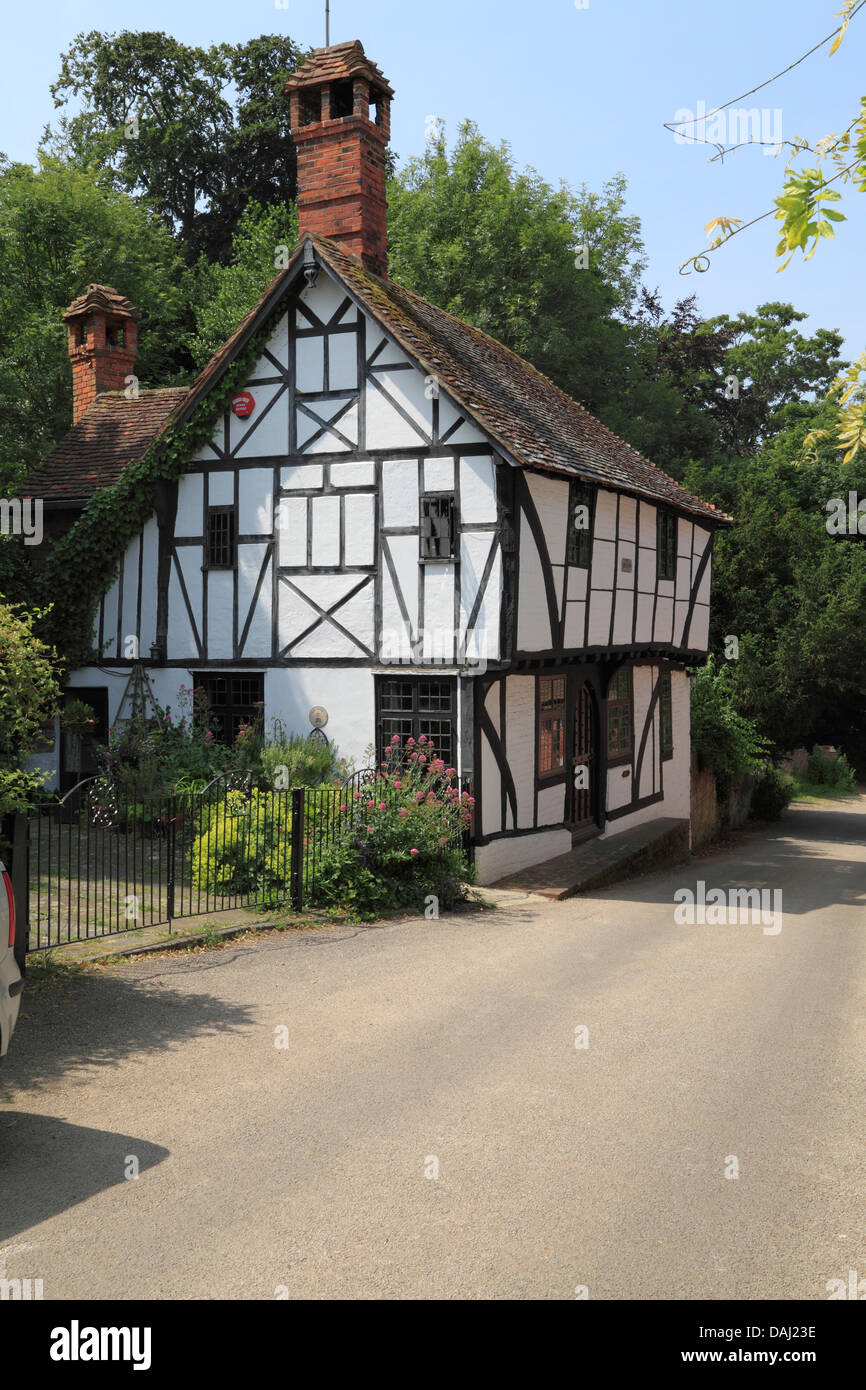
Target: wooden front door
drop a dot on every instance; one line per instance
(584, 800)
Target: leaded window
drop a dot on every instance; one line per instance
(232, 700)
(620, 723)
(581, 510)
(551, 725)
(414, 707)
(437, 527)
(221, 538)
(666, 545)
(666, 715)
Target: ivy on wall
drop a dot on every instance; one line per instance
(83, 564)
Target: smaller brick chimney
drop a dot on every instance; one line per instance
(102, 330)
(341, 123)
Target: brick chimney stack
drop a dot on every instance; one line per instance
(102, 330)
(341, 123)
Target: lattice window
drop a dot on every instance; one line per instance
(437, 527)
(666, 715)
(620, 722)
(232, 701)
(221, 538)
(666, 545)
(410, 708)
(551, 725)
(581, 514)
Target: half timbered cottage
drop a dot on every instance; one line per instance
(398, 523)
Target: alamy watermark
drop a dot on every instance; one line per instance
(22, 516)
(718, 907)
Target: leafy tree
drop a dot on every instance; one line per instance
(224, 293)
(792, 592)
(777, 371)
(500, 249)
(195, 132)
(62, 228)
(806, 219)
(29, 694)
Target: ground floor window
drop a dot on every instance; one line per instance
(233, 700)
(415, 706)
(620, 722)
(666, 714)
(551, 725)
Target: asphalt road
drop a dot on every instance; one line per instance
(309, 1168)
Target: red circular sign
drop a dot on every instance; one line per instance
(243, 404)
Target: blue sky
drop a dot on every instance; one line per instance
(579, 93)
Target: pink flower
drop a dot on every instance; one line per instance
(342, 808)
(395, 739)
(419, 796)
(410, 743)
(381, 805)
(413, 851)
(450, 771)
(398, 785)
(422, 760)
(370, 804)
(423, 739)
(403, 811)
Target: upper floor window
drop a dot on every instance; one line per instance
(666, 715)
(581, 506)
(551, 725)
(620, 723)
(438, 526)
(666, 545)
(221, 538)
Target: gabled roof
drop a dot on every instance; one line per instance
(533, 423)
(112, 433)
(536, 424)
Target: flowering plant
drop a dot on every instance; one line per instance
(401, 842)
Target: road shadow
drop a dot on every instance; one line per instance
(72, 1023)
(48, 1165)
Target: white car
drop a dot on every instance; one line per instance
(11, 962)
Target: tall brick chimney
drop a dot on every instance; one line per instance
(102, 330)
(341, 123)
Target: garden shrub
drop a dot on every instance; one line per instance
(824, 771)
(298, 760)
(244, 846)
(400, 842)
(725, 741)
(773, 791)
(29, 693)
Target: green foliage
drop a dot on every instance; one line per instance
(224, 293)
(825, 771)
(497, 248)
(244, 846)
(399, 845)
(29, 694)
(62, 228)
(773, 792)
(723, 739)
(297, 760)
(196, 133)
(148, 755)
